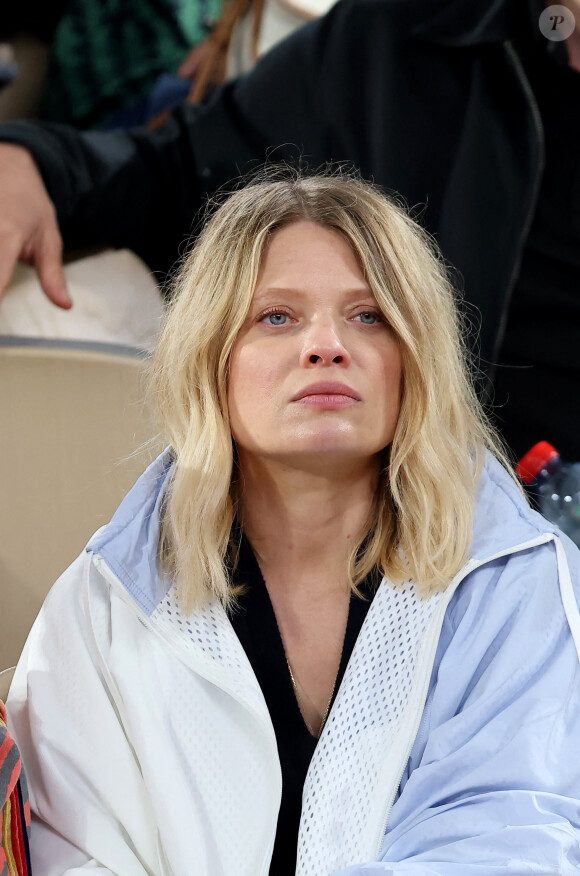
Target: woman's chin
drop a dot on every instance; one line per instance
(331, 457)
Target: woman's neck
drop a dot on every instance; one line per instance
(301, 525)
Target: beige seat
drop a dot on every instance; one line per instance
(72, 422)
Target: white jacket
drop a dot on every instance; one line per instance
(452, 747)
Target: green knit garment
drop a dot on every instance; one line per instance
(108, 53)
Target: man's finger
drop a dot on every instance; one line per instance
(48, 264)
(10, 251)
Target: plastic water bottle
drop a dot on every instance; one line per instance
(556, 485)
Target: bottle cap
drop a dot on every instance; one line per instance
(532, 463)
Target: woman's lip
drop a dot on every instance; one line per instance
(327, 390)
(326, 400)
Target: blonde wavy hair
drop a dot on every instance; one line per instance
(420, 526)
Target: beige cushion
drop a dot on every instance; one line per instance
(116, 301)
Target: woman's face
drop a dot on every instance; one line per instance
(315, 372)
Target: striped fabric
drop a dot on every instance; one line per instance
(14, 853)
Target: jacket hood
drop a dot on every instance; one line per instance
(503, 519)
(128, 544)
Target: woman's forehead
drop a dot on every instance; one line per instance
(304, 255)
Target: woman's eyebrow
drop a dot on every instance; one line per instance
(273, 291)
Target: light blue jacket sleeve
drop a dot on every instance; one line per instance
(493, 782)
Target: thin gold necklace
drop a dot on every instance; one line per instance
(295, 685)
(301, 706)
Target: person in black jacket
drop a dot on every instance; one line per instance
(443, 101)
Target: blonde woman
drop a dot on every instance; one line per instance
(324, 633)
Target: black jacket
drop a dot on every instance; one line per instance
(428, 98)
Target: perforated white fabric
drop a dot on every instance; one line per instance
(369, 732)
(366, 742)
(228, 760)
(218, 651)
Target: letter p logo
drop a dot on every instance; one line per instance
(556, 23)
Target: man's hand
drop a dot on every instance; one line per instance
(28, 227)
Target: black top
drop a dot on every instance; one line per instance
(536, 387)
(256, 627)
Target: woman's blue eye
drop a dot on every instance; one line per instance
(277, 318)
(368, 317)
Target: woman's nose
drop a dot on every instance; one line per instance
(323, 346)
